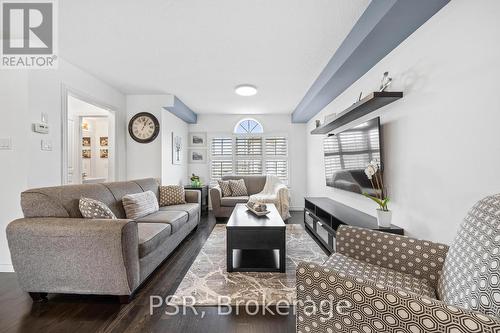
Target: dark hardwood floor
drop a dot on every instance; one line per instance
(80, 313)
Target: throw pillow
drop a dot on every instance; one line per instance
(172, 195)
(225, 188)
(238, 188)
(140, 204)
(94, 209)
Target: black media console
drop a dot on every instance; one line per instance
(322, 216)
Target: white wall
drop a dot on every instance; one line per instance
(441, 141)
(170, 173)
(273, 124)
(24, 95)
(154, 159)
(13, 163)
(45, 95)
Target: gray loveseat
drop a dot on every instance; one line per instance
(222, 207)
(55, 250)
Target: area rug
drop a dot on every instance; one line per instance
(207, 282)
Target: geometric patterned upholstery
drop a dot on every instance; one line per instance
(238, 188)
(225, 188)
(420, 258)
(471, 272)
(381, 282)
(331, 301)
(172, 195)
(377, 274)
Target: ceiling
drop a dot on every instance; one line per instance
(200, 50)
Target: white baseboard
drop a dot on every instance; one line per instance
(6, 268)
(296, 209)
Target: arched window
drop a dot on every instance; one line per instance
(248, 126)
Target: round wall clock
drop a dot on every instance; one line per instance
(143, 127)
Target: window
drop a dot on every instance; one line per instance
(221, 163)
(220, 168)
(248, 146)
(222, 146)
(248, 152)
(248, 167)
(276, 146)
(248, 126)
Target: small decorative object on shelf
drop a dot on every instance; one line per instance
(386, 81)
(318, 123)
(195, 180)
(379, 195)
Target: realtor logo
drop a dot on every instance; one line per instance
(28, 38)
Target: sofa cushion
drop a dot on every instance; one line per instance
(238, 188)
(192, 209)
(175, 218)
(95, 209)
(378, 274)
(172, 195)
(151, 235)
(140, 204)
(232, 201)
(225, 187)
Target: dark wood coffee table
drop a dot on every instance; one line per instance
(255, 244)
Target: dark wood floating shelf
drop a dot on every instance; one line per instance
(370, 103)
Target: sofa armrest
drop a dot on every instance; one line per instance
(423, 259)
(75, 255)
(215, 196)
(329, 301)
(193, 196)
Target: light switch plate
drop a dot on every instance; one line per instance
(45, 118)
(46, 145)
(41, 128)
(5, 144)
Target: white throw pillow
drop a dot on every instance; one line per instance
(140, 204)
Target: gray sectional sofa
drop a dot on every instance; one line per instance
(55, 250)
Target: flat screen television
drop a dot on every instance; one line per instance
(348, 153)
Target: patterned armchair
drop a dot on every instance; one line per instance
(379, 282)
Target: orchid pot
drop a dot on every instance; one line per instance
(384, 218)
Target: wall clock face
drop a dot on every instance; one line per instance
(144, 127)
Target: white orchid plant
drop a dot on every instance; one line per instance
(374, 174)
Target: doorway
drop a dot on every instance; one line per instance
(90, 143)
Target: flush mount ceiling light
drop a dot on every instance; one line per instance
(245, 90)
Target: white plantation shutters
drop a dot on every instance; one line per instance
(222, 147)
(249, 155)
(221, 163)
(249, 167)
(276, 159)
(278, 168)
(248, 146)
(276, 146)
(220, 168)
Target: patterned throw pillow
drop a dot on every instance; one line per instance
(94, 209)
(140, 204)
(225, 188)
(238, 188)
(172, 195)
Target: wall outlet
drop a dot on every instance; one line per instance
(5, 144)
(46, 145)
